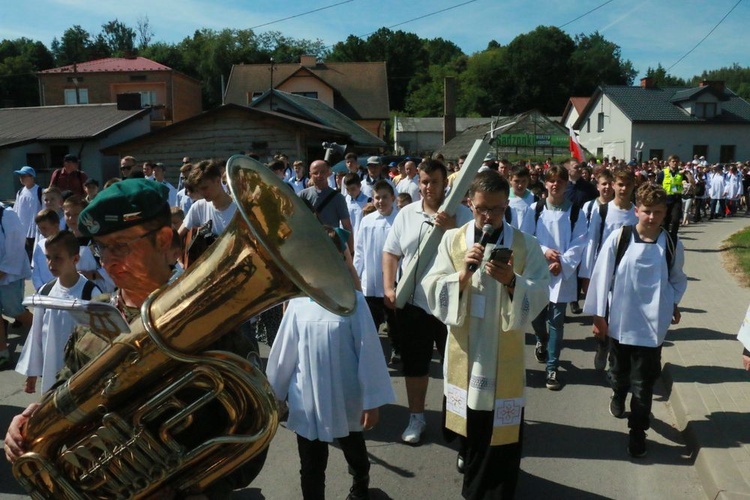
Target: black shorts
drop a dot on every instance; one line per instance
(419, 331)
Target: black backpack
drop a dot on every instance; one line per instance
(88, 289)
(624, 241)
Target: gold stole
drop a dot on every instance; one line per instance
(510, 370)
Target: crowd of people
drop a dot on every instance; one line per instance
(525, 243)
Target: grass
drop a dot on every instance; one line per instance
(737, 252)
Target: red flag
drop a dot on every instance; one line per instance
(575, 147)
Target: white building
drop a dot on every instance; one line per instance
(709, 120)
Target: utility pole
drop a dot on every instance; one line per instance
(270, 102)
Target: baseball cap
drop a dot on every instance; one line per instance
(26, 170)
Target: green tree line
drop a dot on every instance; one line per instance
(539, 69)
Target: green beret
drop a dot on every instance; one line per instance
(122, 205)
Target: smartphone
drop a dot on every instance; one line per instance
(501, 254)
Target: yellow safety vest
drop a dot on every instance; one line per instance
(672, 184)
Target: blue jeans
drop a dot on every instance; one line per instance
(554, 316)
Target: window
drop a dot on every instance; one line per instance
(588, 125)
(700, 150)
(705, 109)
(312, 95)
(726, 153)
(656, 153)
(600, 152)
(148, 98)
(137, 78)
(600, 123)
(254, 96)
(70, 96)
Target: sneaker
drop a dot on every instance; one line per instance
(395, 358)
(540, 351)
(617, 406)
(413, 432)
(637, 444)
(359, 489)
(600, 358)
(460, 464)
(552, 383)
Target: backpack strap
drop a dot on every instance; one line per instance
(622, 244)
(2, 210)
(508, 215)
(575, 211)
(603, 209)
(669, 254)
(47, 287)
(325, 202)
(540, 205)
(39, 195)
(590, 210)
(88, 290)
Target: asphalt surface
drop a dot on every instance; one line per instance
(573, 447)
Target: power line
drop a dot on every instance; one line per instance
(421, 17)
(301, 14)
(585, 14)
(705, 37)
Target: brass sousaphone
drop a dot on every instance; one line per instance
(128, 425)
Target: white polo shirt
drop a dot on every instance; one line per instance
(408, 230)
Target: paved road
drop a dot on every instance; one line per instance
(573, 448)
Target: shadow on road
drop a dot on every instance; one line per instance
(533, 487)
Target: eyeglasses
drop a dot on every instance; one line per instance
(119, 249)
(486, 212)
(126, 167)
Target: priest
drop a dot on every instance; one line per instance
(487, 304)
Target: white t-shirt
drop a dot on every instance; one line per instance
(43, 352)
(368, 253)
(203, 211)
(410, 186)
(27, 205)
(408, 230)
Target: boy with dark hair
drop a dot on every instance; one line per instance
(635, 288)
(48, 223)
(520, 200)
(355, 199)
(606, 219)
(42, 354)
(91, 187)
(403, 199)
(562, 235)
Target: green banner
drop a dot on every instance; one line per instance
(532, 140)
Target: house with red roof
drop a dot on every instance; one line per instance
(573, 110)
(132, 82)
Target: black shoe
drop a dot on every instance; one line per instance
(552, 383)
(460, 464)
(360, 489)
(617, 406)
(16, 324)
(575, 308)
(637, 444)
(540, 351)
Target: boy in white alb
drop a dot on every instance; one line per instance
(368, 259)
(355, 199)
(48, 223)
(42, 354)
(520, 200)
(606, 218)
(635, 287)
(330, 369)
(562, 235)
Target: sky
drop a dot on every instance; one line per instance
(648, 32)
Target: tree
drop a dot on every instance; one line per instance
(663, 79)
(734, 77)
(144, 32)
(119, 38)
(596, 61)
(538, 65)
(404, 54)
(74, 46)
(484, 82)
(19, 61)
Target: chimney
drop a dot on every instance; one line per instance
(308, 61)
(449, 109)
(647, 83)
(717, 85)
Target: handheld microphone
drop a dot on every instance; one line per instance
(487, 231)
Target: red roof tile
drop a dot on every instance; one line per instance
(112, 64)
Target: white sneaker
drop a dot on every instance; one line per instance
(413, 433)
